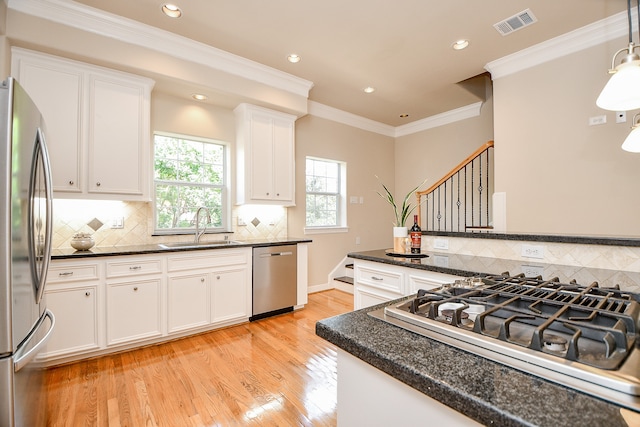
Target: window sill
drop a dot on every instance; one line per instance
(325, 230)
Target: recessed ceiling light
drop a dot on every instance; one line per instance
(199, 97)
(404, 116)
(369, 89)
(171, 10)
(460, 44)
(293, 58)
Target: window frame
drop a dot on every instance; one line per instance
(341, 202)
(225, 190)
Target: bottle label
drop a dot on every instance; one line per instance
(416, 241)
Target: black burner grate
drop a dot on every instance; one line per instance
(592, 325)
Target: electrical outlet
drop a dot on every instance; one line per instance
(597, 120)
(441, 261)
(533, 251)
(357, 240)
(353, 200)
(241, 222)
(117, 222)
(532, 270)
(441, 244)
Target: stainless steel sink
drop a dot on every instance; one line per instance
(187, 245)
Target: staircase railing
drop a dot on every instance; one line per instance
(461, 200)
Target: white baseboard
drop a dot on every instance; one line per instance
(319, 288)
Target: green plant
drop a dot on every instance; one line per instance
(405, 210)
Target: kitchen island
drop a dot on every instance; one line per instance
(488, 392)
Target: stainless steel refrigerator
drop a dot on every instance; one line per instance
(25, 249)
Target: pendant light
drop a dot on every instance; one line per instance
(632, 143)
(622, 92)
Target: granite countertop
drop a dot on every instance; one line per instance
(469, 265)
(488, 392)
(70, 253)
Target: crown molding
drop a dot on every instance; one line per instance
(105, 24)
(582, 38)
(451, 116)
(340, 116)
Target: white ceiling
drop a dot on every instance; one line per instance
(400, 47)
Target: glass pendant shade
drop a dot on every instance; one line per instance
(622, 92)
(632, 143)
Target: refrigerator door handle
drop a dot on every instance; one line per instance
(23, 356)
(40, 164)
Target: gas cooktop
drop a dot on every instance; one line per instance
(583, 337)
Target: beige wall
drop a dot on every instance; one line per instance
(560, 175)
(432, 153)
(366, 154)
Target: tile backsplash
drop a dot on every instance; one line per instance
(97, 216)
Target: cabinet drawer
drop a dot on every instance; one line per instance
(134, 267)
(383, 279)
(428, 280)
(208, 259)
(63, 273)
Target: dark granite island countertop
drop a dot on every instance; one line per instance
(488, 392)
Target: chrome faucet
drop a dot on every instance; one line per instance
(198, 232)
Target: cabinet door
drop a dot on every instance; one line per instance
(133, 311)
(117, 143)
(229, 295)
(76, 327)
(262, 167)
(57, 90)
(283, 160)
(188, 301)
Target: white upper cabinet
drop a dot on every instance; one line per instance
(97, 125)
(265, 143)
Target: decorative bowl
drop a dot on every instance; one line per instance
(82, 241)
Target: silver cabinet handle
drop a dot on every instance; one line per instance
(66, 273)
(135, 288)
(377, 278)
(87, 294)
(202, 279)
(98, 184)
(70, 182)
(135, 267)
(218, 277)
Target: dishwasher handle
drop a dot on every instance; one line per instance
(275, 254)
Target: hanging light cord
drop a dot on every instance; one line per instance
(629, 19)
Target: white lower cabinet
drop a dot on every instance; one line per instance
(210, 289)
(110, 304)
(188, 301)
(76, 311)
(229, 297)
(72, 294)
(377, 283)
(133, 311)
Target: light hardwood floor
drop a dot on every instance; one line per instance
(272, 372)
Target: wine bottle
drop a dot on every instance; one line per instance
(416, 236)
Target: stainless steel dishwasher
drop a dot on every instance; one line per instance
(275, 276)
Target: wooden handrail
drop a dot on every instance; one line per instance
(457, 169)
(453, 171)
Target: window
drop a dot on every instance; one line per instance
(325, 194)
(189, 173)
